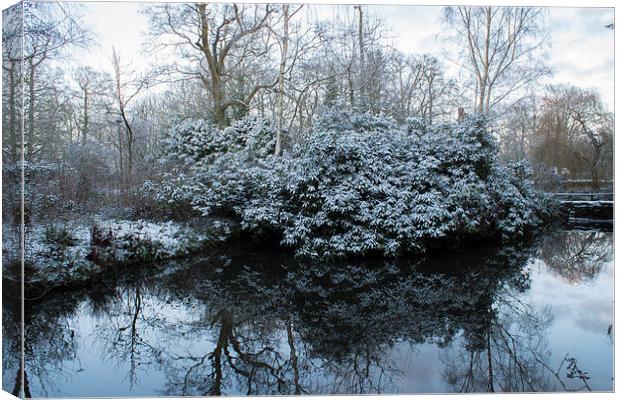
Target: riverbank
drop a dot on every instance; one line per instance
(60, 254)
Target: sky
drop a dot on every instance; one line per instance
(581, 47)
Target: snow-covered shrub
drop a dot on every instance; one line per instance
(517, 204)
(200, 140)
(339, 119)
(416, 125)
(169, 199)
(363, 185)
(222, 176)
(58, 255)
(382, 191)
(193, 140)
(56, 235)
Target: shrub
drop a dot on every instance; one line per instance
(200, 141)
(218, 179)
(386, 192)
(58, 236)
(362, 185)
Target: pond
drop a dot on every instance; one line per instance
(535, 318)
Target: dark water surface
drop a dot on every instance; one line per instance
(502, 319)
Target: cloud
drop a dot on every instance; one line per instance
(582, 49)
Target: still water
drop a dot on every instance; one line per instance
(503, 319)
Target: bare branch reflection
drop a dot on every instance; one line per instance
(579, 256)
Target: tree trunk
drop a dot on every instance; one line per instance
(351, 93)
(12, 115)
(85, 122)
(120, 159)
(281, 81)
(31, 130)
(491, 387)
(430, 102)
(360, 40)
(219, 112)
(130, 138)
(293, 352)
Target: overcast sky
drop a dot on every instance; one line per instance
(582, 48)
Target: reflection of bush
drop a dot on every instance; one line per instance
(407, 304)
(348, 315)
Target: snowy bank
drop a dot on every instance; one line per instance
(62, 254)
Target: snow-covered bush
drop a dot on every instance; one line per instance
(220, 178)
(362, 185)
(193, 140)
(518, 205)
(58, 255)
(386, 192)
(199, 140)
(339, 119)
(58, 236)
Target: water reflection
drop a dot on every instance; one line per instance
(577, 257)
(49, 344)
(235, 324)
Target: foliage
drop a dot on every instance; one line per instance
(361, 185)
(58, 236)
(59, 256)
(337, 118)
(220, 176)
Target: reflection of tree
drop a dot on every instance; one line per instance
(124, 339)
(577, 256)
(341, 320)
(11, 346)
(251, 359)
(49, 343)
(512, 357)
(508, 352)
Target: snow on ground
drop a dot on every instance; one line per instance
(55, 261)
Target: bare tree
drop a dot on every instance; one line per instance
(419, 87)
(215, 43)
(91, 84)
(47, 31)
(575, 132)
(12, 34)
(519, 129)
(502, 47)
(283, 57)
(128, 84)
